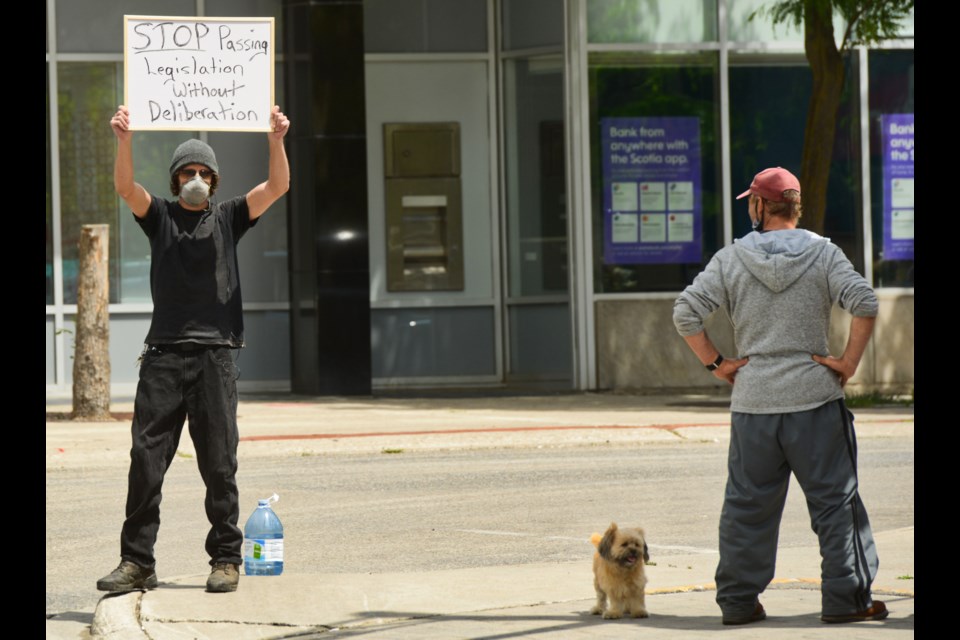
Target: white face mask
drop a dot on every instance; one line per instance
(195, 191)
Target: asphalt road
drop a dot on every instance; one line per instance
(412, 511)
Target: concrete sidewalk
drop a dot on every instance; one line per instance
(544, 600)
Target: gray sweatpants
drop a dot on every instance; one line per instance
(820, 448)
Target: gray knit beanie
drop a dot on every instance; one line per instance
(193, 152)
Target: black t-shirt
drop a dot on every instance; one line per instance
(194, 276)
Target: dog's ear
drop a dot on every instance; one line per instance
(606, 543)
(643, 538)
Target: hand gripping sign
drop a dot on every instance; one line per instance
(198, 74)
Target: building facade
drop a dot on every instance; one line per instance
(487, 192)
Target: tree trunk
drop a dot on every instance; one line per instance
(826, 65)
(91, 358)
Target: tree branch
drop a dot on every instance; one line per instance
(852, 21)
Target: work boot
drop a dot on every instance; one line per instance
(128, 577)
(223, 577)
(757, 615)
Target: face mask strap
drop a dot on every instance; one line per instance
(758, 223)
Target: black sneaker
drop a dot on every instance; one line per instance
(223, 577)
(128, 577)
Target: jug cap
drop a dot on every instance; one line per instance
(266, 502)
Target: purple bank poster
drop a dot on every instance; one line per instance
(897, 186)
(651, 190)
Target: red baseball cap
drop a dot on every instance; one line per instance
(771, 183)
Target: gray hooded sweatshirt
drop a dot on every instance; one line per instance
(778, 288)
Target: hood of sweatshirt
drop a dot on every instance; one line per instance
(778, 258)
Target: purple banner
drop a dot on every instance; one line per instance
(652, 205)
(897, 130)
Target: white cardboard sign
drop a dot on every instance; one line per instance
(198, 74)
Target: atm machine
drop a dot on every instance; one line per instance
(424, 211)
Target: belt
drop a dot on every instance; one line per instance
(182, 347)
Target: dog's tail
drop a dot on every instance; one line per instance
(595, 539)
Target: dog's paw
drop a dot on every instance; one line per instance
(611, 615)
(596, 610)
(642, 613)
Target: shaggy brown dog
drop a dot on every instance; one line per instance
(618, 574)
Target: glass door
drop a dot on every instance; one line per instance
(537, 302)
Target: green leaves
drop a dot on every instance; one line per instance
(874, 20)
(867, 21)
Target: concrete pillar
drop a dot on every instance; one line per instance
(329, 268)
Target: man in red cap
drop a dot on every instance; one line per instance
(187, 370)
(777, 286)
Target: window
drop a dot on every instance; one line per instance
(89, 93)
(891, 205)
(769, 98)
(678, 94)
(424, 26)
(622, 21)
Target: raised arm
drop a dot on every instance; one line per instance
(266, 193)
(132, 192)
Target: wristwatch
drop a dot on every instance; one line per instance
(713, 366)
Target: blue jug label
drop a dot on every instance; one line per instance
(268, 550)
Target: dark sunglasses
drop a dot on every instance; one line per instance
(189, 173)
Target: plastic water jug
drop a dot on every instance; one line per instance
(263, 541)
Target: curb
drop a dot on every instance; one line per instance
(117, 617)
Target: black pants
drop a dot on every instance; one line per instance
(176, 384)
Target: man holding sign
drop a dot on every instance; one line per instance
(187, 369)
